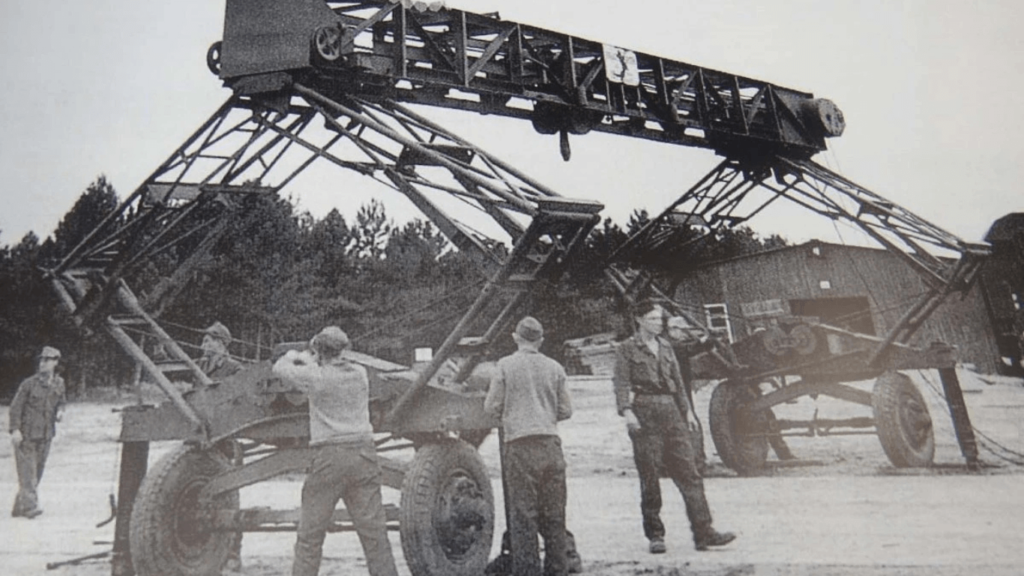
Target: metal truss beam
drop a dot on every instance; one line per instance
(734, 192)
(385, 49)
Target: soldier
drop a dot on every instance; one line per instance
(649, 393)
(345, 465)
(216, 361)
(36, 408)
(687, 344)
(528, 395)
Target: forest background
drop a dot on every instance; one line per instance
(279, 275)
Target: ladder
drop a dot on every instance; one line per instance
(539, 257)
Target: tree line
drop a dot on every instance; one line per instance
(280, 275)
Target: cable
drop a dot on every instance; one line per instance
(984, 439)
(445, 296)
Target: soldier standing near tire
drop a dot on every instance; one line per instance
(345, 464)
(217, 363)
(687, 345)
(649, 393)
(35, 410)
(528, 395)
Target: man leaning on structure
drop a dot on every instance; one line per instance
(35, 410)
(528, 395)
(345, 465)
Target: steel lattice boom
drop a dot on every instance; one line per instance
(385, 49)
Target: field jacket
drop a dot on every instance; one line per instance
(35, 405)
(639, 371)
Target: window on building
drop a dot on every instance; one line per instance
(717, 317)
(825, 285)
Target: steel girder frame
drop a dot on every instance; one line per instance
(256, 146)
(733, 193)
(481, 63)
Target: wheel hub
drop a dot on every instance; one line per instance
(461, 516)
(915, 421)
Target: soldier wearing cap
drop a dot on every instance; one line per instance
(528, 395)
(345, 465)
(216, 361)
(34, 412)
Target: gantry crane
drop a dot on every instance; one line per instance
(331, 82)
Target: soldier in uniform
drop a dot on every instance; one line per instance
(345, 465)
(528, 395)
(36, 408)
(650, 395)
(216, 361)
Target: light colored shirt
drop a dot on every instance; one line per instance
(339, 396)
(528, 394)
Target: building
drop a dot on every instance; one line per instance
(862, 289)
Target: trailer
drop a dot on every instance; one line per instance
(330, 82)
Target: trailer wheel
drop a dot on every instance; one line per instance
(739, 435)
(447, 511)
(213, 56)
(169, 535)
(903, 422)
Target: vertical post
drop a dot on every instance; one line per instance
(506, 537)
(134, 461)
(961, 420)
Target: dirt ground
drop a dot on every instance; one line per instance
(840, 509)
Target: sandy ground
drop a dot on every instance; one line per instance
(841, 509)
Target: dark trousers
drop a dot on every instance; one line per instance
(347, 472)
(30, 459)
(663, 443)
(535, 472)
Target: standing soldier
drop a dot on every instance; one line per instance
(345, 463)
(217, 363)
(528, 395)
(649, 393)
(686, 344)
(34, 412)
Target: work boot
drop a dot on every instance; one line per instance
(713, 538)
(657, 546)
(573, 560)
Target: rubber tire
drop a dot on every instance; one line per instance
(729, 424)
(155, 541)
(903, 422)
(426, 496)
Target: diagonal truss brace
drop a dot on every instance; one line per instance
(734, 192)
(253, 145)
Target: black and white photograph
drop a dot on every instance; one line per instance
(512, 288)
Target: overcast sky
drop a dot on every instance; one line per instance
(931, 91)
